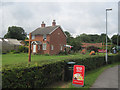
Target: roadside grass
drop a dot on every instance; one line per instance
(90, 77)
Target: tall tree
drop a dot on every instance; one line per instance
(69, 37)
(103, 38)
(115, 38)
(83, 38)
(16, 33)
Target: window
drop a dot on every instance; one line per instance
(33, 37)
(52, 47)
(44, 37)
(38, 47)
(61, 48)
(44, 46)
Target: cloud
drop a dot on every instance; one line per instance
(75, 17)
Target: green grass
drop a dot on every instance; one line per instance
(91, 76)
(22, 58)
(8, 59)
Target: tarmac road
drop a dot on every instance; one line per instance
(108, 79)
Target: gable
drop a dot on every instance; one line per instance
(60, 29)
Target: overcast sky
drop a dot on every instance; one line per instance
(76, 17)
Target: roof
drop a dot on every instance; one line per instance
(44, 30)
(11, 41)
(92, 44)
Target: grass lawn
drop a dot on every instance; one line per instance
(8, 59)
(90, 77)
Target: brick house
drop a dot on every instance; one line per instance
(52, 39)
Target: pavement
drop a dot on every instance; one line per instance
(109, 79)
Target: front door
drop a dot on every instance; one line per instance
(34, 48)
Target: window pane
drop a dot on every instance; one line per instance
(44, 46)
(52, 47)
(44, 36)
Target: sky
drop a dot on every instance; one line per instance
(76, 17)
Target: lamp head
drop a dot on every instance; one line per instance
(108, 9)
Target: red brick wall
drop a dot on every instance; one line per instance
(57, 38)
(41, 51)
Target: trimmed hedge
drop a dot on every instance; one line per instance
(40, 76)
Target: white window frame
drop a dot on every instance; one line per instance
(61, 47)
(44, 37)
(33, 37)
(38, 47)
(44, 46)
(52, 47)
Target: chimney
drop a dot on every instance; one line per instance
(43, 24)
(53, 23)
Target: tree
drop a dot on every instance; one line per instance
(16, 33)
(103, 38)
(69, 37)
(114, 39)
(83, 38)
(76, 45)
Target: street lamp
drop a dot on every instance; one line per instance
(108, 9)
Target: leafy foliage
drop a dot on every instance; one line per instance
(36, 76)
(23, 49)
(92, 48)
(114, 39)
(16, 33)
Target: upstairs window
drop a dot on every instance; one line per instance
(44, 37)
(33, 37)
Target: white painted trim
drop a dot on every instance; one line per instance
(6, 40)
(34, 48)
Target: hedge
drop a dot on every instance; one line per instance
(40, 76)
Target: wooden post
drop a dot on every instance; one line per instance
(29, 53)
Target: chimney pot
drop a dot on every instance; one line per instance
(53, 23)
(43, 24)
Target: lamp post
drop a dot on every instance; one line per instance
(108, 9)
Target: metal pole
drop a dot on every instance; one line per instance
(106, 36)
(117, 41)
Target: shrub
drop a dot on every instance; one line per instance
(63, 53)
(46, 54)
(36, 76)
(92, 48)
(23, 49)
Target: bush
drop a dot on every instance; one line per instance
(36, 76)
(23, 49)
(63, 53)
(92, 48)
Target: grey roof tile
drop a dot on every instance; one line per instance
(44, 30)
